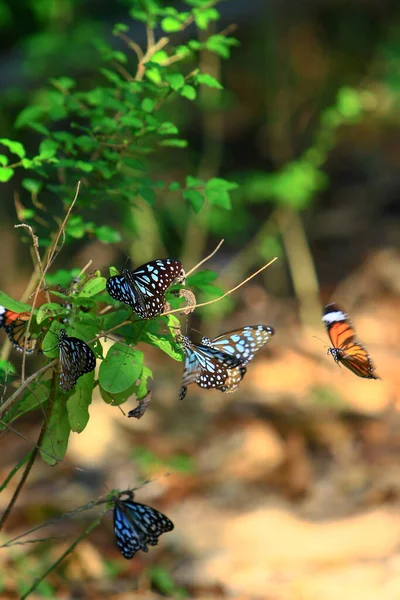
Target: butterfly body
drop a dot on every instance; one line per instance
(76, 359)
(138, 525)
(221, 363)
(144, 288)
(346, 350)
(14, 324)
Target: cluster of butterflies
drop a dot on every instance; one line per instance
(220, 363)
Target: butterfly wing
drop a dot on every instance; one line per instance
(346, 349)
(206, 366)
(136, 525)
(14, 325)
(76, 359)
(119, 289)
(242, 343)
(152, 280)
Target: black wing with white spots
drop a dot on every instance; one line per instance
(76, 359)
(144, 288)
(242, 343)
(206, 366)
(138, 525)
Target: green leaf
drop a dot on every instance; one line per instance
(217, 192)
(62, 277)
(65, 83)
(32, 185)
(78, 403)
(195, 198)
(174, 186)
(49, 310)
(107, 235)
(55, 440)
(221, 45)
(175, 80)
(14, 147)
(209, 80)
(148, 194)
(148, 104)
(188, 91)
(14, 305)
(93, 286)
(174, 142)
(203, 16)
(349, 103)
(3, 160)
(170, 25)
(29, 115)
(167, 129)
(165, 343)
(37, 395)
(5, 174)
(120, 369)
(201, 278)
(48, 149)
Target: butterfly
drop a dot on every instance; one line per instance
(136, 525)
(221, 363)
(14, 324)
(346, 350)
(144, 288)
(76, 359)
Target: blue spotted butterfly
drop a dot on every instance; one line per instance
(136, 525)
(76, 359)
(144, 288)
(221, 363)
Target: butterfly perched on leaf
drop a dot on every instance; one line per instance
(76, 359)
(15, 324)
(221, 363)
(144, 288)
(137, 525)
(346, 349)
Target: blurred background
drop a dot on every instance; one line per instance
(288, 489)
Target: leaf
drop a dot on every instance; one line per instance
(48, 149)
(3, 160)
(29, 115)
(175, 80)
(32, 185)
(208, 80)
(55, 440)
(148, 104)
(217, 192)
(94, 286)
(37, 395)
(14, 147)
(5, 174)
(195, 198)
(201, 277)
(203, 16)
(78, 403)
(175, 142)
(170, 25)
(164, 343)
(49, 310)
(188, 91)
(14, 305)
(120, 369)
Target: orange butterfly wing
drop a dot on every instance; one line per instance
(346, 349)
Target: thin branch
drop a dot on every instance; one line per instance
(10, 401)
(15, 470)
(176, 310)
(205, 259)
(35, 242)
(63, 555)
(132, 45)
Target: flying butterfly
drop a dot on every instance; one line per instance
(346, 349)
(144, 288)
(14, 324)
(221, 363)
(76, 359)
(136, 525)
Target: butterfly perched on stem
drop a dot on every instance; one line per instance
(144, 288)
(137, 525)
(221, 363)
(76, 359)
(346, 349)
(14, 324)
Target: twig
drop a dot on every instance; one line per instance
(15, 470)
(176, 310)
(24, 477)
(35, 242)
(10, 401)
(63, 555)
(85, 268)
(205, 259)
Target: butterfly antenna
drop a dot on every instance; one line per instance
(319, 339)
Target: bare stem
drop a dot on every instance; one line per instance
(10, 401)
(205, 259)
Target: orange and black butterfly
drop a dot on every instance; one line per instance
(346, 350)
(14, 324)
